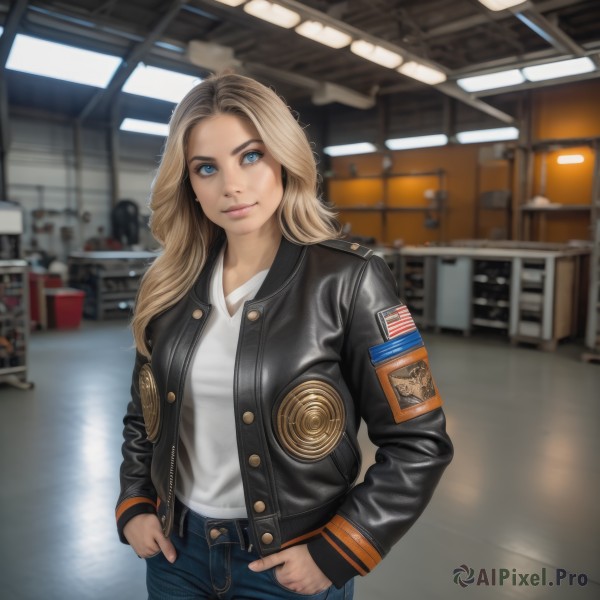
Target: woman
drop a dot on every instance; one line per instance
(261, 343)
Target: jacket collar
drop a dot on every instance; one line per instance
(288, 256)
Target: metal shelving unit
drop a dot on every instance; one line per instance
(592, 334)
(110, 281)
(434, 212)
(417, 283)
(491, 294)
(14, 323)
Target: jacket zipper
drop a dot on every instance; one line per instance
(171, 487)
(170, 508)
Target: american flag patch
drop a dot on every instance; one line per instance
(395, 321)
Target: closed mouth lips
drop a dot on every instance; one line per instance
(238, 207)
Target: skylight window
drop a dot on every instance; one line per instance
(161, 84)
(150, 127)
(67, 63)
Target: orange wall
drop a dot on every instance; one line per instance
(566, 111)
(493, 223)
(459, 164)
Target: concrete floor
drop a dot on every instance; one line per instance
(521, 494)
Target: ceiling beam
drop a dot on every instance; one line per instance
(6, 41)
(10, 29)
(451, 89)
(487, 16)
(548, 31)
(103, 97)
(448, 88)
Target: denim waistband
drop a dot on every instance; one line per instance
(214, 531)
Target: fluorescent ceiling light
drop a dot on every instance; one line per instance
(150, 127)
(488, 135)
(570, 159)
(501, 4)
(348, 149)
(1, 30)
(563, 68)
(232, 2)
(422, 72)
(67, 63)
(273, 13)
(491, 80)
(334, 38)
(376, 54)
(421, 141)
(161, 84)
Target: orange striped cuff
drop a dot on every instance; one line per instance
(127, 504)
(351, 544)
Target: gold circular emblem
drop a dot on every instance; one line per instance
(311, 420)
(150, 402)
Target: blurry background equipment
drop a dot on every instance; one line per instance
(125, 223)
(11, 228)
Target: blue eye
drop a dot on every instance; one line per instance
(206, 170)
(252, 157)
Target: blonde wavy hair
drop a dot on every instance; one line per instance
(178, 223)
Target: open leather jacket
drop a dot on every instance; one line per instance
(324, 343)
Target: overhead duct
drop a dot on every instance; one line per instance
(326, 93)
(323, 92)
(211, 56)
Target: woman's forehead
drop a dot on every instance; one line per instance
(221, 132)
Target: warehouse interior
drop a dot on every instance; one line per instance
(458, 139)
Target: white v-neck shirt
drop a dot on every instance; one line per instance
(209, 477)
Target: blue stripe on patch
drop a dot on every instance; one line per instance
(399, 345)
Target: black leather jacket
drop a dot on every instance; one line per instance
(312, 360)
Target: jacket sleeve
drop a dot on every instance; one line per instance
(386, 368)
(137, 492)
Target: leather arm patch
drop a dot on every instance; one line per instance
(408, 385)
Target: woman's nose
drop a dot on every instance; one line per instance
(232, 182)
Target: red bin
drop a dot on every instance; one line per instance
(65, 307)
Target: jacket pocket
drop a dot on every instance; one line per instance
(347, 459)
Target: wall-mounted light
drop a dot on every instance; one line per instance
(161, 84)
(348, 149)
(491, 81)
(498, 134)
(563, 68)
(59, 61)
(570, 159)
(421, 141)
(150, 127)
(377, 54)
(334, 38)
(422, 72)
(273, 13)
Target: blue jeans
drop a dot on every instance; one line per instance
(215, 567)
